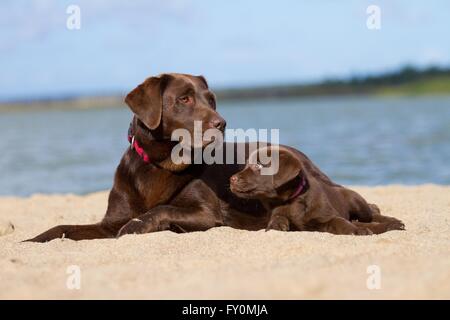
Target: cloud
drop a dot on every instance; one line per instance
(120, 42)
(39, 19)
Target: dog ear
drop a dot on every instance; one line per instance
(146, 101)
(202, 79)
(289, 168)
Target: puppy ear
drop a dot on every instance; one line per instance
(289, 168)
(146, 101)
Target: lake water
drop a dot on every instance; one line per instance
(360, 140)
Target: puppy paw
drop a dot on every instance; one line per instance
(363, 232)
(280, 224)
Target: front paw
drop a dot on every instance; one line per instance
(134, 226)
(279, 224)
(395, 225)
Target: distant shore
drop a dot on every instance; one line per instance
(405, 82)
(62, 104)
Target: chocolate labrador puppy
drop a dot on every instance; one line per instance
(300, 198)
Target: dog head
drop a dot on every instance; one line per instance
(175, 101)
(253, 183)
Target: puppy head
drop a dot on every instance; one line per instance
(254, 183)
(175, 101)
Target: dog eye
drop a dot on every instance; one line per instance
(212, 102)
(258, 166)
(186, 99)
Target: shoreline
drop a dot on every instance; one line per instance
(91, 193)
(115, 102)
(225, 263)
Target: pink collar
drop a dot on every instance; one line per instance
(139, 150)
(135, 145)
(300, 189)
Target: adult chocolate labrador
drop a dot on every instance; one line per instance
(153, 190)
(300, 199)
(150, 191)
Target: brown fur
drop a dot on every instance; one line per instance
(320, 206)
(162, 195)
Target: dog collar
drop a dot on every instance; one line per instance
(135, 145)
(301, 188)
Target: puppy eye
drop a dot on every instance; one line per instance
(258, 166)
(212, 102)
(186, 99)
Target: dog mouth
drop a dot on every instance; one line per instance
(199, 144)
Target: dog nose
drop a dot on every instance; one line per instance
(218, 124)
(234, 179)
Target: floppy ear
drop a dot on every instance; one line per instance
(289, 168)
(146, 101)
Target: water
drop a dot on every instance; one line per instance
(363, 141)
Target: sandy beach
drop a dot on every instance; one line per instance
(224, 263)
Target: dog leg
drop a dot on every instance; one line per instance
(381, 223)
(386, 219)
(339, 225)
(381, 227)
(169, 217)
(78, 232)
(279, 223)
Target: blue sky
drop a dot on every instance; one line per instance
(232, 43)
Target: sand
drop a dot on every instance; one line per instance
(224, 263)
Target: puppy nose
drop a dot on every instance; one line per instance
(218, 124)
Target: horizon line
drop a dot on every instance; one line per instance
(119, 93)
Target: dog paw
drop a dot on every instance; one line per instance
(363, 232)
(134, 226)
(395, 225)
(279, 225)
